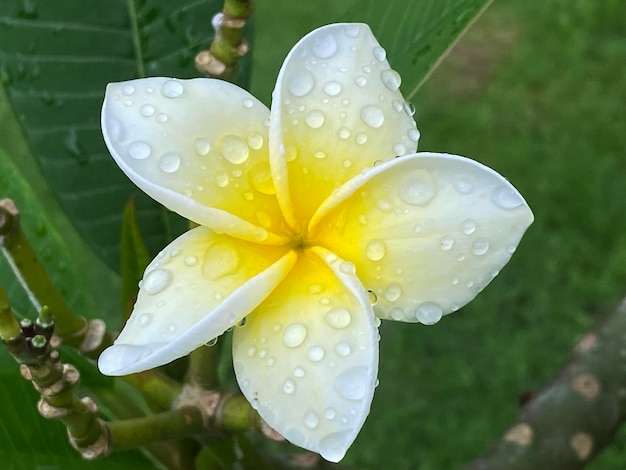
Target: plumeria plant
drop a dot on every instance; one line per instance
(311, 221)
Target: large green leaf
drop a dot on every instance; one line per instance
(56, 60)
(416, 33)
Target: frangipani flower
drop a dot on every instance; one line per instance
(302, 210)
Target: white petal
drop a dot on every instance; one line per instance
(200, 148)
(426, 232)
(336, 109)
(307, 357)
(194, 290)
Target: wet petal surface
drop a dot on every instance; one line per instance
(194, 290)
(307, 357)
(336, 109)
(200, 147)
(426, 232)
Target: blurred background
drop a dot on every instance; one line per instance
(537, 91)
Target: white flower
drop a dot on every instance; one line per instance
(302, 210)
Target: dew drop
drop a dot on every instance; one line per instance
(338, 317)
(343, 349)
(446, 242)
(221, 179)
(315, 353)
(315, 119)
(480, 246)
(115, 128)
(399, 150)
(393, 292)
(145, 319)
(372, 115)
(468, 227)
(202, 146)
(375, 250)
(360, 80)
(351, 384)
(128, 90)
(418, 190)
(220, 261)
(147, 110)
(289, 386)
(347, 267)
(330, 413)
(347, 163)
(391, 79)
(247, 103)
(301, 83)
(379, 53)
(325, 47)
(169, 163)
(506, 198)
(255, 403)
(397, 105)
(352, 30)
(332, 88)
(171, 89)
(162, 118)
(428, 313)
(397, 314)
(255, 140)
(294, 335)
(361, 138)
(139, 150)
(234, 149)
(511, 248)
(191, 261)
(454, 281)
(311, 420)
(299, 372)
(413, 134)
(260, 178)
(463, 185)
(409, 108)
(156, 281)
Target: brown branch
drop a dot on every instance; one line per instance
(570, 421)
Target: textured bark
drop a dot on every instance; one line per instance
(570, 421)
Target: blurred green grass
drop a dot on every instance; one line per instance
(535, 90)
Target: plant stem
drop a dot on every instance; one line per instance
(566, 424)
(220, 61)
(203, 363)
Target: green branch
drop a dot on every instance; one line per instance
(229, 44)
(566, 424)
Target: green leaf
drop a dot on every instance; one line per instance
(134, 259)
(417, 34)
(56, 60)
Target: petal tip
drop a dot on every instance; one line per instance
(122, 359)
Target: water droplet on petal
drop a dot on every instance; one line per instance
(147, 110)
(347, 267)
(399, 150)
(255, 403)
(506, 198)
(343, 349)
(397, 314)
(352, 30)
(315, 119)
(428, 313)
(315, 353)
(463, 185)
(156, 281)
(289, 386)
(332, 88)
(375, 250)
(145, 319)
(221, 179)
(301, 83)
(202, 146)
(311, 420)
(409, 108)
(352, 384)
(299, 372)
(139, 150)
(393, 292)
(162, 118)
(360, 80)
(391, 79)
(413, 134)
(379, 53)
(344, 133)
(247, 103)
(511, 248)
(128, 90)
(172, 89)
(480, 246)
(418, 190)
(234, 149)
(220, 261)
(294, 335)
(338, 317)
(446, 242)
(330, 413)
(372, 115)
(325, 47)
(169, 163)
(361, 138)
(468, 227)
(255, 140)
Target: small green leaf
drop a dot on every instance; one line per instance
(134, 258)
